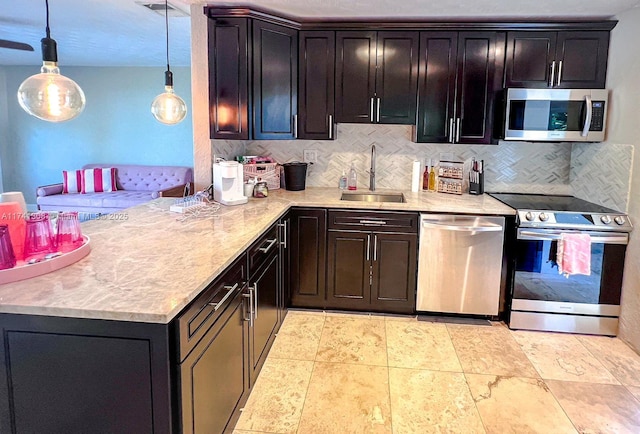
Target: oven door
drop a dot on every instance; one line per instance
(539, 287)
(577, 115)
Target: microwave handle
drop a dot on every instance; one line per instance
(587, 119)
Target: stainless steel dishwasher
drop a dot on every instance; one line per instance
(460, 264)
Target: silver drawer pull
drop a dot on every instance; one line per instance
(270, 246)
(373, 222)
(230, 290)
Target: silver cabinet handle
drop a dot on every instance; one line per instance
(270, 246)
(553, 73)
(458, 122)
(371, 110)
(461, 228)
(559, 73)
(230, 290)
(283, 241)
(587, 118)
(330, 126)
(451, 136)
(378, 110)
(295, 126)
(375, 248)
(368, 245)
(255, 300)
(373, 222)
(250, 297)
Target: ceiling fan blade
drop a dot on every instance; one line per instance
(15, 45)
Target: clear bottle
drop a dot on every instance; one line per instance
(432, 177)
(353, 178)
(343, 181)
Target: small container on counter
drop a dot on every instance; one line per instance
(260, 190)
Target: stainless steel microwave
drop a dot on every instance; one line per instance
(556, 115)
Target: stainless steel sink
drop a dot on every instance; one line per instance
(373, 197)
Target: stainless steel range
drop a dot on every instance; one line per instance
(544, 299)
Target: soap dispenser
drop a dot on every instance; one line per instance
(353, 178)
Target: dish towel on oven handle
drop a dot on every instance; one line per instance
(574, 254)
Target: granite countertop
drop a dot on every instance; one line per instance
(146, 264)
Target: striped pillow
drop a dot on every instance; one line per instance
(99, 180)
(72, 181)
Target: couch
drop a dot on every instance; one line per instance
(135, 184)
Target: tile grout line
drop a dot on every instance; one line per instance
(560, 404)
(386, 345)
(598, 360)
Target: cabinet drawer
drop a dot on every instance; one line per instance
(194, 322)
(263, 248)
(380, 221)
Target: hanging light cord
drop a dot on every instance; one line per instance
(46, 2)
(166, 24)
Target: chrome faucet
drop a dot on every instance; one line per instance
(372, 169)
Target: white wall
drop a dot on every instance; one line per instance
(116, 126)
(624, 128)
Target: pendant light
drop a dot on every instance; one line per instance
(50, 96)
(168, 107)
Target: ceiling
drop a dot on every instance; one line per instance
(124, 33)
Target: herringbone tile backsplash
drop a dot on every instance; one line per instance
(596, 172)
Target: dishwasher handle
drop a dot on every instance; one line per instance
(486, 227)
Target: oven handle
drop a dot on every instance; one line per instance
(551, 235)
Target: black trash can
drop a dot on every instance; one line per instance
(295, 175)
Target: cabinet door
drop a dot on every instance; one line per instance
(214, 378)
(349, 268)
(394, 272)
(396, 77)
(275, 80)
(436, 87)
(265, 292)
(317, 85)
(529, 59)
(229, 78)
(476, 87)
(582, 59)
(308, 247)
(355, 76)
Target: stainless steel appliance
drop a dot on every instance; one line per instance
(543, 299)
(460, 264)
(574, 115)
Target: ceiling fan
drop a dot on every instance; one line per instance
(15, 45)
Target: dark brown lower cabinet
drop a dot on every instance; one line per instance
(307, 254)
(372, 271)
(215, 376)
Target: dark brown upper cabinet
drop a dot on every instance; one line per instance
(460, 75)
(316, 85)
(376, 76)
(275, 81)
(229, 78)
(253, 79)
(566, 59)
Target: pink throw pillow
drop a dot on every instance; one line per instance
(71, 181)
(99, 180)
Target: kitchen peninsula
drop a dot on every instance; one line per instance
(109, 343)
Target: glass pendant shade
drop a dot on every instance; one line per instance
(168, 107)
(51, 96)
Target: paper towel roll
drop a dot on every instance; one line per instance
(415, 177)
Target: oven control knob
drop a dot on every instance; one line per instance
(605, 219)
(543, 217)
(529, 216)
(619, 219)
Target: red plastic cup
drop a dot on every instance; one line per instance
(69, 235)
(38, 240)
(7, 258)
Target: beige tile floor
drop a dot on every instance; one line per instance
(351, 373)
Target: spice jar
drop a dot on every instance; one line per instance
(261, 189)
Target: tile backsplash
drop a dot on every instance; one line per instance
(597, 172)
(511, 166)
